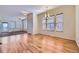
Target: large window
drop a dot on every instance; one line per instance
(12, 25)
(4, 26)
(59, 22)
(53, 22)
(48, 24)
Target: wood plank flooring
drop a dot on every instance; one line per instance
(3, 34)
(26, 43)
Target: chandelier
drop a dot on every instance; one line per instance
(46, 18)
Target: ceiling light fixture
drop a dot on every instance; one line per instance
(46, 16)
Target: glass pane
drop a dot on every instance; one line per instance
(48, 26)
(51, 19)
(59, 27)
(59, 18)
(4, 26)
(12, 25)
(52, 26)
(44, 26)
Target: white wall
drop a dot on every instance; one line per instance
(30, 23)
(35, 24)
(77, 25)
(69, 22)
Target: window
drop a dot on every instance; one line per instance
(49, 23)
(4, 26)
(53, 23)
(0, 25)
(59, 22)
(44, 24)
(12, 24)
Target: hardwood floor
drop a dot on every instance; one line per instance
(3, 34)
(26, 43)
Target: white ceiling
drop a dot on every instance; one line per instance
(15, 10)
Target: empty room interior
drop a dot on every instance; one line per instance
(39, 29)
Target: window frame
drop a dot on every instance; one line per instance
(48, 24)
(60, 22)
